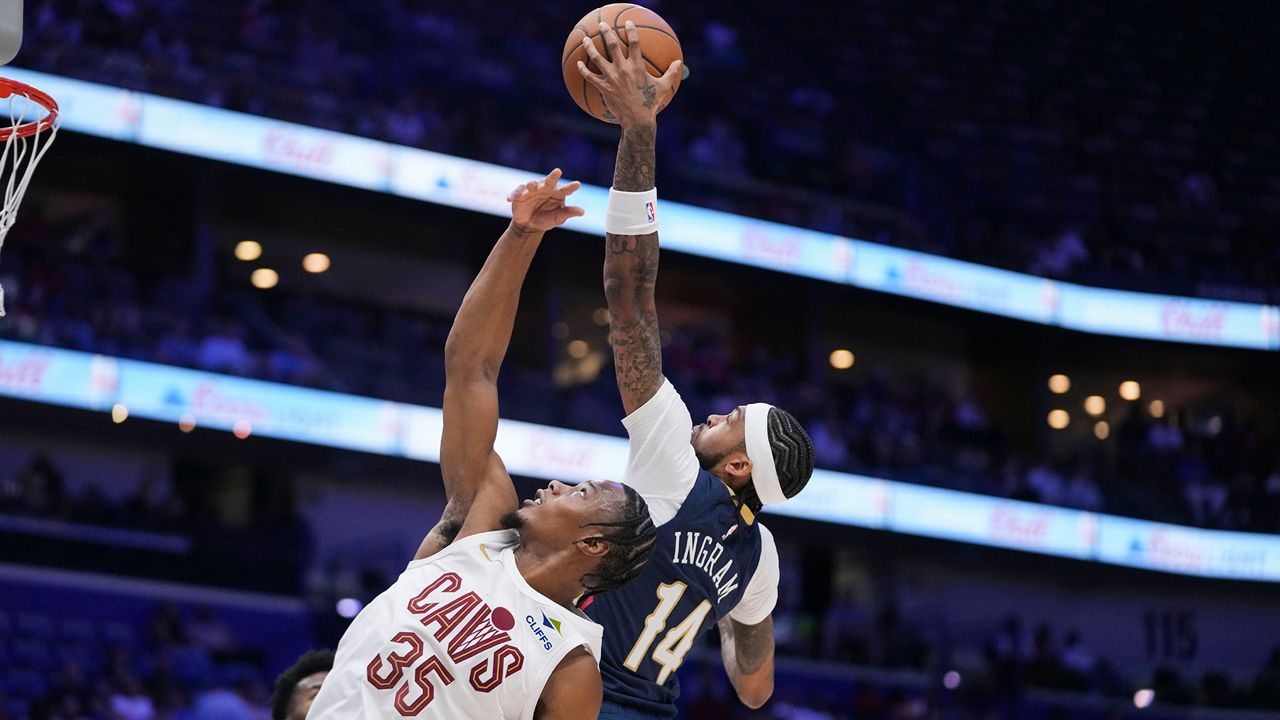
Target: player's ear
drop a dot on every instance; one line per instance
(738, 466)
(593, 547)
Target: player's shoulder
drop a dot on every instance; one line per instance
(486, 544)
(575, 626)
(766, 535)
(768, 546)
(707, 490)
(666, 399)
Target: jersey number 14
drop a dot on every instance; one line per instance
(669, 654)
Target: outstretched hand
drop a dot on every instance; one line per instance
(631, 94)
(538, 205)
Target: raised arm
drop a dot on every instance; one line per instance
(631, 260)
(630, 276)
(477, 485)
(747, 652)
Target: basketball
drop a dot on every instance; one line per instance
(658, 42)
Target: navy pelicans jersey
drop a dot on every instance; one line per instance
(711, 560)
(458, 635)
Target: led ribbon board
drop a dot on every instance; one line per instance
(159, 392)
(258, 142)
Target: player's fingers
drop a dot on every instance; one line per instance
(568, 189)
(633, 39)
(594, 54)
(551, 178)
(669, 77)
(569, 211)
(612, 42)
(594, 78)
(517, 193)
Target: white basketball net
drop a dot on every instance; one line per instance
(19, 158)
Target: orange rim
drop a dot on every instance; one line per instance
(9, 88)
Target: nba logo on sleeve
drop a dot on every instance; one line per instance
(650, 212)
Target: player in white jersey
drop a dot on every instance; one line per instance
(482, 623)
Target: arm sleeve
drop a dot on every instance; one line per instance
(661, 464)
(761, 595)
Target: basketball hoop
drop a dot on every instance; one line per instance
(31, 113)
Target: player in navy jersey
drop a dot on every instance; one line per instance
(704, 485)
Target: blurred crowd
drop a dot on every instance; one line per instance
(183, 664)
(1207, 463)
(38, 489)
(216, 527)
(187, 663)
(845, 629)
(842, 656)
(1015, 665)
(1098, 142)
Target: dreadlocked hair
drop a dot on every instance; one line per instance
(631, 536)
(311, 662)
(792, 456)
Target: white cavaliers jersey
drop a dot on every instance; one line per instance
(459, 635)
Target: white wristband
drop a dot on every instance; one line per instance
(632, 213)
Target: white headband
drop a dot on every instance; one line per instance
(763, 472)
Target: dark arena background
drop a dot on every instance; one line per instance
(1013, 263)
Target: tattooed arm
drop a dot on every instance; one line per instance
(630, 276)
(747, 652)
(634, 98)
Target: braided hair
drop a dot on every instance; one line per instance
(311, 662)
(632, 536)
(792, 455)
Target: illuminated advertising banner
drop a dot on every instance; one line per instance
(256, 407)
(747, 241)
(843, 499)
(1188, 551)
(456, 182)
(90, 108)
(248, 140)
(527, 449)
(1167, 317)
(258, 142)
(482, 187)
(57, 377)
(954, 282)
(984, 520)
(259, 408)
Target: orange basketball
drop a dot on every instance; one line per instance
(658, 42)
